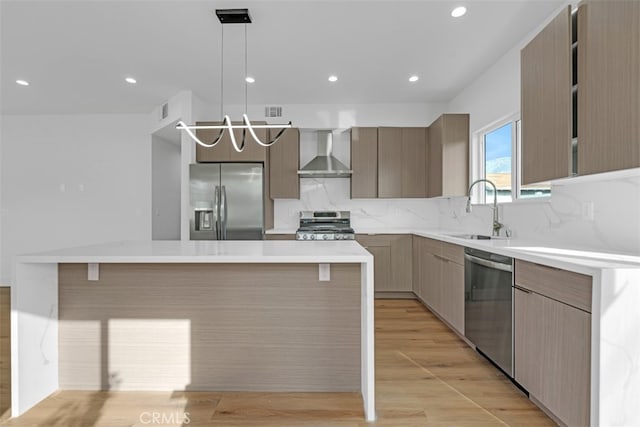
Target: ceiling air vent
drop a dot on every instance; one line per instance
(273, 111)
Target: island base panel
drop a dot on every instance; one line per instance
(244, 327)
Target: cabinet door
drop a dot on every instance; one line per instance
(434, 168)
(453, 294)
(219, 153)
(608, 86)
(381, 268)
(252, 151)
(284, 162)
(454, 159)
(432, 281)
(401, 263)
(364, 162)
(414, 157)
(389, 162)
(552, 355)
(416, 266)
(546, 102)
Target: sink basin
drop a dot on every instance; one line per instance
(476, 236)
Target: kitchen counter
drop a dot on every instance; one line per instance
(120, 295)
(615, 318)
(264, 251)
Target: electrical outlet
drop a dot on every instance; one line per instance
(588, 211)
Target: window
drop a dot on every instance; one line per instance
(496, 157)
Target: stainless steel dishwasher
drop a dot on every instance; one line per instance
(488, 305)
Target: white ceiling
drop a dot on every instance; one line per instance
(76, 54)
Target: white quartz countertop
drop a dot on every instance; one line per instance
(566, 257)
(579, 260)
(260, 251)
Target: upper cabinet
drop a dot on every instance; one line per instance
(448, 156)
(411, 162)
(580, 87)
(388, 162)
(364, 162)
(224, 151)
(284, 162)
(402, 162)
(609, 86)
(546, 102)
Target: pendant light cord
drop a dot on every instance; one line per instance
(245, 68)
(221, 71)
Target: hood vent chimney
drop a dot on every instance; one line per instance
(324, 165)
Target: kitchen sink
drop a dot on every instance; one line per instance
(476, 236)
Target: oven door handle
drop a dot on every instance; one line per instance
(488, 263)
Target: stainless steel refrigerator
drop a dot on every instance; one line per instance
(226, 201)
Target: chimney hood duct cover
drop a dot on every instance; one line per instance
(324, 165)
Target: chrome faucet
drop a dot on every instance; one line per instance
(496, 224)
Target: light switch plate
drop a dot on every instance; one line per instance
(324, 272)
(93, 272)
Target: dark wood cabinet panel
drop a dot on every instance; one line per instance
(284, 162)
(448, 156)
(389, 162)
(414, 162)
(224, 151)
(608, 86)
(364, 162)
(546, 109)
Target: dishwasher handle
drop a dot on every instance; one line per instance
(488, 263)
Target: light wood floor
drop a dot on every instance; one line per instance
(425, 375)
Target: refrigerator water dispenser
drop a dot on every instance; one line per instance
(204, 219)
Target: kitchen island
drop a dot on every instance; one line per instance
(217, 315)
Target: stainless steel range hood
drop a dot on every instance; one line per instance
(324, 165)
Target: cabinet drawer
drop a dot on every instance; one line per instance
(372, 240)
(565, 286)
(433, 246)
(453, 252)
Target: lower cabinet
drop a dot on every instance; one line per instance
(279, 237)
(392, 260)
(552, 340)
(439, 279)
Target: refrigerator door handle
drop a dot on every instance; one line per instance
(223, 207)
(216, 211)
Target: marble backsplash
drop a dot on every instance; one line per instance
(598, 213)
(592, 214)
(369, 214)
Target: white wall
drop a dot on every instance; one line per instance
(341, 116)
(70, 180)
(165, 183)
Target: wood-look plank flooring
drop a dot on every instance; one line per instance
(425, 376)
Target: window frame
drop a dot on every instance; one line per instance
(477, 157)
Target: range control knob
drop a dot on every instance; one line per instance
(304, 237)
(312, 237)
(325, 237)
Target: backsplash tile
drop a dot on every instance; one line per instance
(556, 220)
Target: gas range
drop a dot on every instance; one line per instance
(325, 225)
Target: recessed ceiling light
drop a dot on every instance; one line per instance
(250, 80)
(130, 80)
(22, 82)
(414, 79)
(458, 11)
(333, 78)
